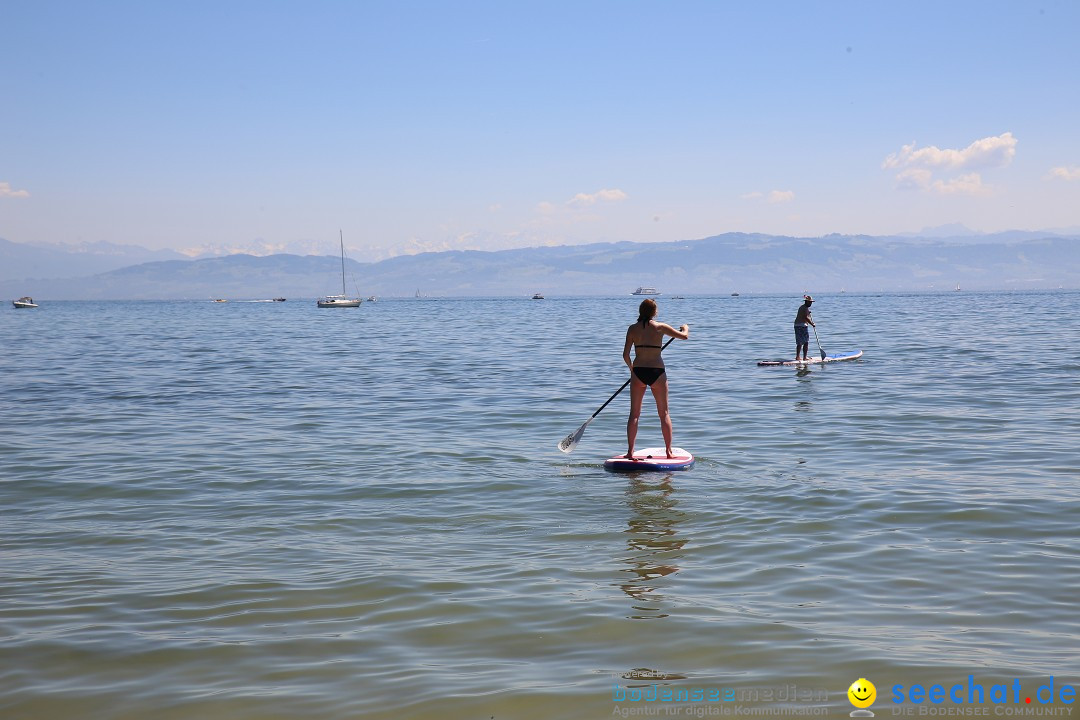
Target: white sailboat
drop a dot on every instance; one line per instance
(342, 300)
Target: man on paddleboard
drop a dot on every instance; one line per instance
(647, 370)
(802, 335)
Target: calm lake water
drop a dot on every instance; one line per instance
(267, 510)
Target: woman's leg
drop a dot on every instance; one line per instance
(660, 394)
(637, 393)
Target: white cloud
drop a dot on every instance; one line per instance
(917, 167)
(914, 179)
(773, 197)
(920, 179)
(6, 191)
(585, 199)
(970, 184)
(1065, 173)
(988, 152)
(575, 210)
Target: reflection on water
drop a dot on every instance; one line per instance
(653, 543)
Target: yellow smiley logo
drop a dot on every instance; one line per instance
(862, 693)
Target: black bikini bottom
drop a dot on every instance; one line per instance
(648, 375)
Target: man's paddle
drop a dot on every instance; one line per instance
(818, 343)
(568, 443)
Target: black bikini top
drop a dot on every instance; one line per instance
(658, 347)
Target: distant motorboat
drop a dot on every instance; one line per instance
(279, 299)
(219, 300)
(537, 296)
(24, 302)
(342, 300)
(646, 291)
(734, 294)
(371, 298)
(676, 297)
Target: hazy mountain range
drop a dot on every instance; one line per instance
(733, 262)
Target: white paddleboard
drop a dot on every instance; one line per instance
(816, 359)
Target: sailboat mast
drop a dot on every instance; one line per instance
(341, 239)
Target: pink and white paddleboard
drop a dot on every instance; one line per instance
(651, 460)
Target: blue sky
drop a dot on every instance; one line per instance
(443, 125)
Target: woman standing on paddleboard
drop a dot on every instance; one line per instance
(647, 370)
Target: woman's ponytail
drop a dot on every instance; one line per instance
(646, 311)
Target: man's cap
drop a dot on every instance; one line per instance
(807, 298)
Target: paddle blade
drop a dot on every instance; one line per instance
(568, 443)
(822, 356)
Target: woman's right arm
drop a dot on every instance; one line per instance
(682, 333)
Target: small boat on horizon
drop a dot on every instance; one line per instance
(279, 299)
(646, 291)
(371, 298)
(734, 294)
(342, 300)
(537, 296)
(24, 302)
